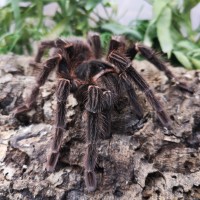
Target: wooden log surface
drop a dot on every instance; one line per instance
(137, 162)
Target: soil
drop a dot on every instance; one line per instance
(142, 159)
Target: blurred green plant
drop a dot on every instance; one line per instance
(171, 26)
(22, 21)
(170, 29)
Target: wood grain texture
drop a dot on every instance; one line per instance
(139, 161)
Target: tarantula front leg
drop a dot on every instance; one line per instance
(125, 66)
(62, 92)
(150, 55)
(132, 95)
(44, 45)
(95, 43)
(117, 44)
(48, 66)
(97, 101)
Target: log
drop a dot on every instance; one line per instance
(142, 160)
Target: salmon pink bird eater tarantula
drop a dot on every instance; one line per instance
(96, 82)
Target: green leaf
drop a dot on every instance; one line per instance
(150, 1)
(105, 39)
(175, 34)
(91, 4)
(194, 53)
(183, 59)
(40, 13)
(16, 10)
(8, 38)
(158, 7)
(195, 62)
(118, 29)
(189, 4)
(108, 3)
(56, 31)
(186, 44)
(163, 31)
(150, 33)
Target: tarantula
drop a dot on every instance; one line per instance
(96, 82)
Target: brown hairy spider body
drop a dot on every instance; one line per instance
(97, 84)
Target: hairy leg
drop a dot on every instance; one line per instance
(151, 56)
(117, 44)
(95, 43)
(106, 124)
(48, 66)
(62, 92)
(132, 95)
(45, 45)
(125, 66)
(97, 101)
(91, 154)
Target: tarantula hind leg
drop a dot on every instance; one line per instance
(124, 64)
(150, 55)
(62, 92)
(132, 95)
(97, 101)
(48, 66)
(106, 116)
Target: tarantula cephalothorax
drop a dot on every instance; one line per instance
(96, 83)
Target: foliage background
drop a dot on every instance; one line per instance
(169, 30)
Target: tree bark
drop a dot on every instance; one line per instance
(142, 160)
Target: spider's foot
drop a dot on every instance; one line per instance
(140, 123)
(183, 86)
(36, 65)
(90, 181)
(52, 161)
(20, 110)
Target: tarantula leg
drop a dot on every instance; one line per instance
(91, 154)
(106, 124)
(44, 45)
(150, 55)
(49, 65)
(91, 137)
(116, 43)
(111, 83)
(29, 103)
(95, 43)
(93, 103)
(124, 64)
(108, 100)
(97, 101)
(131, 52)
(62, 92)
(132, 95)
